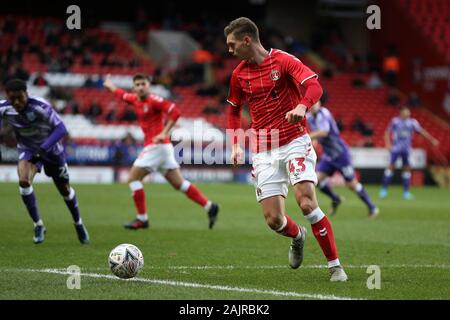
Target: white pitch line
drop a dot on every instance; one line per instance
(318, 266)
(199, 285)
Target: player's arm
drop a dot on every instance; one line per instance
(318, 134)
(119, 93)
(235, 99)
(173, 113)
(387, 136)
(424, 133)
(58, 132)
(304, 76)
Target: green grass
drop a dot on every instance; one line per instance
(410, 241)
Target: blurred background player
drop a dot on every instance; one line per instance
(158, 153)
(400, 131)
(336, 157)
(269, 80)
(39, 131)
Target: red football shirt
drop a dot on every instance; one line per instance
(271, 89)
(150, 113)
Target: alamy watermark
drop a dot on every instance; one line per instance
(74, 279)
(374, 280)
(374, 20)
(73, 22)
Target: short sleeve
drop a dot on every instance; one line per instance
(323, 124)
(296, 69)
(416, 125)
(235, 94)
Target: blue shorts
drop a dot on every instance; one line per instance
(55, 165)
(342, 164)
(404, 154)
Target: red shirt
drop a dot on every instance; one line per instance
(272, 89)
(150, 113)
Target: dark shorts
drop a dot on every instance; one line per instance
(55, 165)
(342, 164)
(403, 154)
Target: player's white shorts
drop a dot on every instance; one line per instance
(157, 157)
(291, 163)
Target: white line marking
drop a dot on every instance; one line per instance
(197, 285)
(231, 267)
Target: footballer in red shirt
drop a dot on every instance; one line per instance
(158, 152)
(270, 82)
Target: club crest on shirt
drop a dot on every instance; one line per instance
(145, 107)
(31, 116)
(275, 75)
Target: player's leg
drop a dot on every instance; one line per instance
(60, 176)
(26, 172)
(359, 189)
(276, 218)
(324, 186)
(388, 174)
(305, 196)
(136, 175)
(176, 180)
(347, 171)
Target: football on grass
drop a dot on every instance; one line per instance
(126, 260)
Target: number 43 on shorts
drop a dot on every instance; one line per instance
(297, 165)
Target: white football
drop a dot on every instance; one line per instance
(126, 260)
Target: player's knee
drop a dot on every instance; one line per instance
(307, 204)
(64, 190)
(24, 183)
(274, 221)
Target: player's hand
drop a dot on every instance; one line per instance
(108, 84)
(160, 138)
(435, 142)
(296, 115)
(237, 155)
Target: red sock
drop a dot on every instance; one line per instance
(291, 229)
(139, 201)
(196, 195)
(324, 234)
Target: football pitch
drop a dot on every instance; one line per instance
(239, 259)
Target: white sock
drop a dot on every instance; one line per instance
(333, 263)
(39, 223)
(79, 222)
(208, 206)
(142, 217)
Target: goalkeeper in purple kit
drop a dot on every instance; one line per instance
(39, 130)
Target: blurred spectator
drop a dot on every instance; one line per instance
(129, 115)
(95, 110)
(89, 82)
(393, 98)
(15, 71)
(111, 116)
(211, 108)
(339, 122)
(9, 25)
(40, 80)
(413, 100)
(360, 126)
(72, 107)
(391, 66)
(87, 58)
(374, 81)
